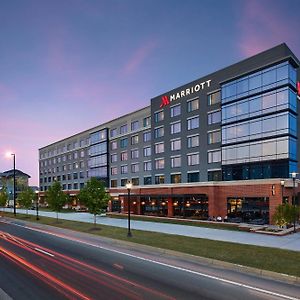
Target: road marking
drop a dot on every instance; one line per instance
(253, 288)
(45, 252)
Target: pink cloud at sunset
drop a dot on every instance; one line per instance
(263, 25)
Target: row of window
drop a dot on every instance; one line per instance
(135, 125)
(215, 175)
(192, 105)
(98, 136)
(75, 165)
(59, 159)
(65, 187)
(64, 177)
(265, 103)
(260, 81)
(213, 156)
(274, 125)
(272, 149)
(64, 148)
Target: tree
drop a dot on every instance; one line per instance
(94, 197)
(285, 214)
(3, 196)
(26, 197)
(56, 198)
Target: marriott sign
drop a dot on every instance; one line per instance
(166, 100)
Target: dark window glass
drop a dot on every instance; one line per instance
(193, 177)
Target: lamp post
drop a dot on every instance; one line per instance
(282, 186)
(14, 155)
(128, 186)
(37, 204)
(294, 175)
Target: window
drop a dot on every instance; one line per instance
(124, 143)
(114, 145)
(135, 181)
(82, 153)
(159, 179)
(123, 129)
(214, 117)
(159, 148)
(98, 136)
(159, 116)
(135, 153)
(193, 141)
(98, 160)
(124, 169)
(214, 175)
(147, 136)
(175, 110)
(214, 156)
(214, 137)
(193, 123)
(135, 168)
(175, 161)
(147, 121)
(192, 105)
(175, 178)
(147, 166)
(75, 175)
(147, 180)
(114, 171)
(176, 127)
(214, 98)
(113, 183)
(113, 132)
(175, 145)
(134, 139)
(147, 151)
(134, 125)
(124, 156)
(159, 163)
(193, 159)
(124, 181)
(81, 164)
(98, 149)
(114, 158)
(193, 177)
(81, 175)
(159, 132)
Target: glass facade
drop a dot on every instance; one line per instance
(259, 124)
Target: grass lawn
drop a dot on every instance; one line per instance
(276, 260)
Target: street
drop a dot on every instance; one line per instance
(38, 264)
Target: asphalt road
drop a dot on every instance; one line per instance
(46, 264)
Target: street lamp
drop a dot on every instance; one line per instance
(128, 186)
(14, 155)
(294, 175)
(37, 204)
(282, 186)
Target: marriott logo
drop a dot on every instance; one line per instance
(166, 100)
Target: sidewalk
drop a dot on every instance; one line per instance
(289, 242)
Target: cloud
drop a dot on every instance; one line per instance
(262, 25)
(138, 57)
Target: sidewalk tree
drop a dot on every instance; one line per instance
(26, 197)
(3, 196)
(285, 214)
(56, 198)
(94, 197)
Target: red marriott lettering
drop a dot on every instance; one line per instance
(166, 100)
(298, 88)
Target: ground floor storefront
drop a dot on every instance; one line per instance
(252, 201)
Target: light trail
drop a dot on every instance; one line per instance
(120, 285)
(44, 274)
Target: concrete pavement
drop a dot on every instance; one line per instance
(289, 242)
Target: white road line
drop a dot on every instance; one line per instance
(253, 288)
(45, 252)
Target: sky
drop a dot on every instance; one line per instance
(70, 65)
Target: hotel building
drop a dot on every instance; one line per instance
(224, 144)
